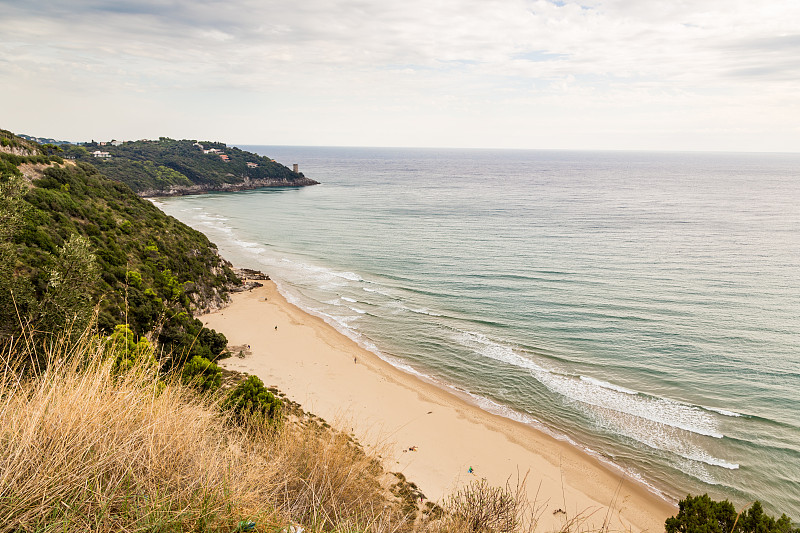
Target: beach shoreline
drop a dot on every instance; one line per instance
(437, 439)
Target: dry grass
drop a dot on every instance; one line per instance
(481, 508)
(85, 449)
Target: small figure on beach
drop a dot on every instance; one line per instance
(470, 470)
(276, 328)
(355, 360)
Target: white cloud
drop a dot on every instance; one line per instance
(447, 72)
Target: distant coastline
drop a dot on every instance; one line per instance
(186, 190)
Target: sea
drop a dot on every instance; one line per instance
(644, 307)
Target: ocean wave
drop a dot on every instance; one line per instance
(376, 291)
(422, 311)
(724, 412)
(495, 408)
(246, 244)
(351, 300)
(597, 393)
(657, 436)
(322, 275)
(351, 276)
(607, 385)
(399, 306)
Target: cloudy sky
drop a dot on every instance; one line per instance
(594, 74)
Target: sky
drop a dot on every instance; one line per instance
(595, 74)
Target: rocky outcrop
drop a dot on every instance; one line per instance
(249, 273)
(248, 277)
(16, 150)
(183, 190)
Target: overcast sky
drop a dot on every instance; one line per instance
(596, 74)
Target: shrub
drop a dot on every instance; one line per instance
(701, 514)
(128, 352)
(482, 508)
(202, 374)
(251, 398)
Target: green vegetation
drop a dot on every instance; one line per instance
(202, 374)
(74, 243)
(251, 398)
(701, 514)
(129, 352)
(153, 167)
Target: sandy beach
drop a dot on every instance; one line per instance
(430, 435)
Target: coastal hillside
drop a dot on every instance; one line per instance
(78, 247)
(169, 167)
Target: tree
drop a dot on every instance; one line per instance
(16, 292)
(67, 300)
(701, 514)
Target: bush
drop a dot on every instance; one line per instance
(482, 508)
(202, 374)
(251, 398)
(128, 352)
(701, 514)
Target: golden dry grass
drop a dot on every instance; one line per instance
(83, 448)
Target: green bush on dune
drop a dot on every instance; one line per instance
(202, 374)
(251, 398)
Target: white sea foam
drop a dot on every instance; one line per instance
(588, 391)
(325, 278)
(724, 412)
(357, 310)
(493, 407)
(382, 293)
(351, 300)
(607, 385)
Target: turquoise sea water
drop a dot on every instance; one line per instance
(645, 307)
